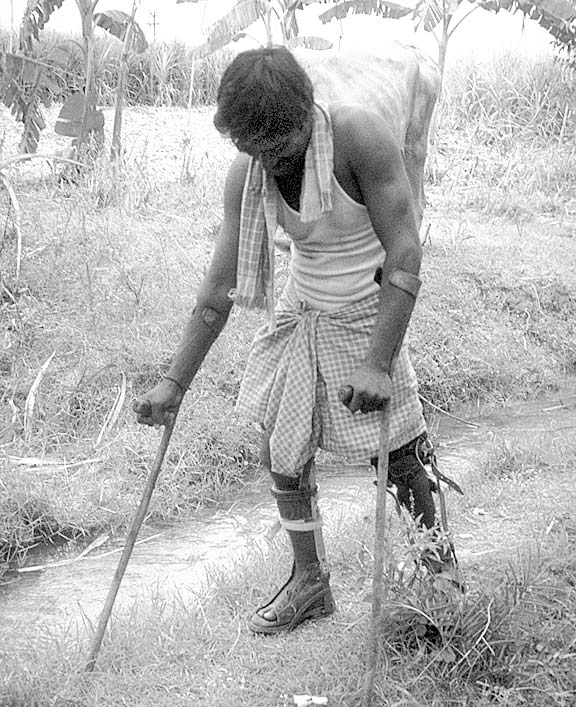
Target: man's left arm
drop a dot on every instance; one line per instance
(376, 162)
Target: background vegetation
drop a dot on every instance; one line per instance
(159, 77)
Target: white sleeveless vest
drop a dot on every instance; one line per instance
(333, 259)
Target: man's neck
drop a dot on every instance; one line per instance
(290, 186)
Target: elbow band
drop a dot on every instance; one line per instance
(407, 281)
(213, 319)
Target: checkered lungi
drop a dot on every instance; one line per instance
(292, 379)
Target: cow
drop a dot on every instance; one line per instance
(401, 83)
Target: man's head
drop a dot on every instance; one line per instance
(265, 105)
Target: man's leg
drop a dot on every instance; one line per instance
(414, 488)
(414, 492)
(307, 593)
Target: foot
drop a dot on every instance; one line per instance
(306, 595)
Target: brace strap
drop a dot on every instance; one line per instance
(317, 520)
(213, 319)
(302, 526)
(294, 495)
(426, 454)
(406, 281)
(301, 507)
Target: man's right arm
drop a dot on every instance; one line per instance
(210, 314)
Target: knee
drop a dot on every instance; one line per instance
(405, 471)
(285, 483)
(404, 468)
(301, 481)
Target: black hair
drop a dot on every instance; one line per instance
(263, 93)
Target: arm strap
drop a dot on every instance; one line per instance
(406, 281)
(213, 319)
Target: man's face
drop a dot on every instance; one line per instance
(281, 156)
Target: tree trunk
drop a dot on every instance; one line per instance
(267, 19)
(86, 14)
(442, 49)
(120, 92)
(11, 36)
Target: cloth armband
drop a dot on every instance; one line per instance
(404, 280)
(213, 319)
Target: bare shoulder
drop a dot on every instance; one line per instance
(362, 134)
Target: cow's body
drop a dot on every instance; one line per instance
(401, 84)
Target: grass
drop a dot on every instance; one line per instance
(509, 642)
(510, 96)
(489, 327)
(507, 132)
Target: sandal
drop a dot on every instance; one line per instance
(307, 596)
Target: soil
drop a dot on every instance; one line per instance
(159, 137)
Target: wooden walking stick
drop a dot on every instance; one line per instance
(130, 540)
(345, 395)
(378, 586)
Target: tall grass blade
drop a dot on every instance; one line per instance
(114, 412)
(16, 221)
(32, 395)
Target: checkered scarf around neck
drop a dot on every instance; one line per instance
(258, 219)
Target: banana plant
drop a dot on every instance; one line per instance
(273, 14)
(443, 17)
(439, 18)
(122, 26)
(378, 8)
(21, 90)
(435, 16)
(556, 16)
(25, 82)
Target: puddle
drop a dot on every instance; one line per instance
(70, 597)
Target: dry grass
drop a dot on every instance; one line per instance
(510, 97)
(493, 322)
(510, 642)
(506, 145)
(110, 269)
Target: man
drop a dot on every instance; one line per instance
(333, 175)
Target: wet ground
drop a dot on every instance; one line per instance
(67, 594)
